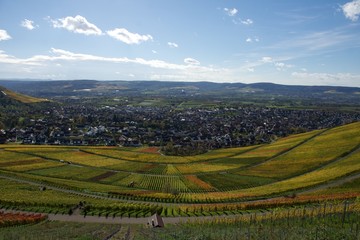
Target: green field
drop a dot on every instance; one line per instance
(234, 175)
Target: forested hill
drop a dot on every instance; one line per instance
(90, 87)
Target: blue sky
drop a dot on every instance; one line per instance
(303, 42)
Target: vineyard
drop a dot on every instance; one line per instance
(313, 167)
(15, 219)
(323, 221)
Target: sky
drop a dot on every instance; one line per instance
(307, 42)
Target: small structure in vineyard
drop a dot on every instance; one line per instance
(155, 221)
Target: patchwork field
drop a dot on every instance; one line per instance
(110, 178)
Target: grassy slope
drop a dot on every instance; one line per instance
(20, 97)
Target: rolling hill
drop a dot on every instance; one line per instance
(305, 180)
(11, 95)
(51, 88)
(291, 164)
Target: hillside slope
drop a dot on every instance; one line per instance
(8, 94)
(309, 159)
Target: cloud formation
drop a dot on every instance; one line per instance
(351, 10)
(127, 37)
(266, 59)
(77, 24)
(173, 45)
(231, 11)
(59, 58)
(28, 24)
(243, 22)
(247, 21)
(191, 61)
(4, 35)
(280, 66)
(63, 55)
(250, 40)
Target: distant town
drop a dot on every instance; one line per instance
(181, 118)
(209, 128)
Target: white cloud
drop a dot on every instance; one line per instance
(4, 35)
(77, 24)
(127, 37)
(63, 55)
(231, 11)
(28, 24)
(250, 40)
(154, 51)
(191, 61)
(46, 64)
(351, 10)
(173, 45)
(247, 21)
(343, 79)
(250, 69)
(5, 58)
(266, 59)
(280, 66)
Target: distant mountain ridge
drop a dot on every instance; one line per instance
(85, 87)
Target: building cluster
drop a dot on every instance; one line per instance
(157, 126)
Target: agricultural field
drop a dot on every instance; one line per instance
(61, 230)
(318, 151)
(336, 221)
(16, 219)
(317, 222)
(217, 182)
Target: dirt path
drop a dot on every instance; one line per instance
(332, 184)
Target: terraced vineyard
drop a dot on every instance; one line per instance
(139, 181)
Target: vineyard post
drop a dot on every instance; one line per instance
(303, 216)
(330, 211)
(312, 214)
(344, 213)
(271, 223)
(288, 217)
